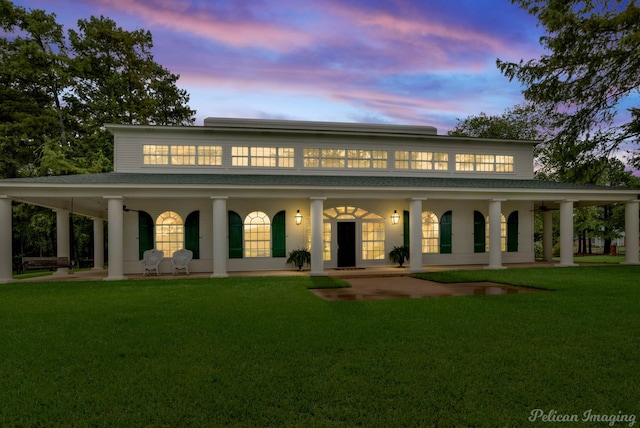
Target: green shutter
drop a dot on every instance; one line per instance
(235, 235)
(405, 226)
(145, 233)
(278, 235)
(512, 232)
(446, 233)
(192, 233)
(479, 232)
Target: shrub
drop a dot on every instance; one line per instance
(399, 255)
(299, 257)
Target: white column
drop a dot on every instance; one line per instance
(547, 236)
(220, 238)
(495, 232)
(317, 238)
(566, 233)
(415, 235)
(6, 254)
(62, 238)
(116, 238)
(98, 244)
(631, 232)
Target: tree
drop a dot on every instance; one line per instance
(58, 90)
(592, 66)
(117, 81)
(517, 123)
(33, 76)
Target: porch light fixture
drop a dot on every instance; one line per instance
(298, 218)
(395, 217)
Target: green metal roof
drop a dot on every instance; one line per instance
(257, 180)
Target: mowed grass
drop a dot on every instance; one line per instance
(267, 352)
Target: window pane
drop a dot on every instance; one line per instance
(504, 163)
(257, 235)
(169, 233)
(240, 156)
(155, 154)
(402, 160)
(286, 156)
(441, 161)
(485, 163)
(326, 235)
(373, 237)
(465, 162)
(263, 156)
(183, 155)
(503, 233)
(430, 232)
(359, 158)
(311, 158)
(332, 158)
(379, 159)
(210, 155)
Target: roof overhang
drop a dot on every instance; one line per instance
(85, 194)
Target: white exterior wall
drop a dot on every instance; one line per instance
(154, 208)
(297, 235)
(129, 143)
(128, 154)
(157, 193)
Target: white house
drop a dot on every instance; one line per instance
(242, 193)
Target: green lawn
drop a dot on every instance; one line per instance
(267, 352)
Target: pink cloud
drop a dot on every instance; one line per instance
(240, 32)
(419, 40)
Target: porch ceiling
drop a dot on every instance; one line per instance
(85, 193)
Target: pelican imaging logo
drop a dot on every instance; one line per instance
(588, 416)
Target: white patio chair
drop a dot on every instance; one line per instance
(181, 259)
(151, 261)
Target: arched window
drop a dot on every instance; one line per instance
(430, 232)
(169, 233)
(257, 235)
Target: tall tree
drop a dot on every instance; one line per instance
(58, 91)
(591, 67)
(118, 81)
(33, 77)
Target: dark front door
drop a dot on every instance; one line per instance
(346, 244)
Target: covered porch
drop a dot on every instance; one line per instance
(117, 198)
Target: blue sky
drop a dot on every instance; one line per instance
(413, 62)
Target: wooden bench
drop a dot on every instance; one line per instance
(51, 263)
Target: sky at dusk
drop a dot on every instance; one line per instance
(417, 62)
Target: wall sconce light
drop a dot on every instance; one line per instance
(395, 217)
(298, 218)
